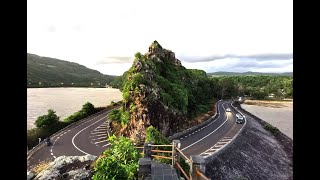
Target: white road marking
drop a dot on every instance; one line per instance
(54, 157)
(98, 132)
(99, 138)
(51, 150)
(229, 139)
(106, 145)
(51, 154)
(101, 141)
(99, 135)
(104, 129)
(207, 134)
(103, 118)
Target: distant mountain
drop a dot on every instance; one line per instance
(50, 72)
(249, 73)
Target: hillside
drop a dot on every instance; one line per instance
(159, 91)
(249, 73)
(50, 72)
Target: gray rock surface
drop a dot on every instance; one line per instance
(68, 167)
(30, 175)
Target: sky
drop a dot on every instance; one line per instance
(214, 35)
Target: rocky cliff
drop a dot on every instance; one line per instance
(159, 91)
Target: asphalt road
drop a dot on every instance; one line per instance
(212, 137)
(90, 137)
(87, 137)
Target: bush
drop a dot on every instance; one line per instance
(87, 110)
(119, 116)
(272, 129)
(153, 135)
(118, 162)
(34, 134)
(47, 120)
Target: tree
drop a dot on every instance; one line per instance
(88, 108)
(47, 120)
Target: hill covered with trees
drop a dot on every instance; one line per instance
(51, 72)
(249, 73)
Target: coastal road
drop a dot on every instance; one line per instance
(86, 137)
(209, 139)
(89, 136)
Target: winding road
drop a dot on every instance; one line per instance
(89, 136)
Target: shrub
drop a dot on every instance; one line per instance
(47, 120)
(87, 110)
(153, 135)
(272, 129)
(118, 162)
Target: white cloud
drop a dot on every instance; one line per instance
(88, 31)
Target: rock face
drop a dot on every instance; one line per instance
(68, 167)
(159, 91)
(254, 154)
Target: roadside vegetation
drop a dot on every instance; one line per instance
(272, 129)
(50, 123)
(120, 161)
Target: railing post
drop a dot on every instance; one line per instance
(175, 155)
(144, 168)
(147, 150)
(196, 162)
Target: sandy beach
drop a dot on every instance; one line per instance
(278, 114)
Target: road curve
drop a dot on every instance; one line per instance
(206, 140)
(90, 137)
(86, 137)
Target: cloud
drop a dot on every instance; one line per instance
(242, 65)
(258, 57)
(115, 60)
(51, 29)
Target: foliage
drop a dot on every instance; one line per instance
(52, 72)
(272, 129)
(87, 110)
(34, 134)
(257, 87)
(118, 162)
(119, 116)
(47, 120)
(222, 73)
(153, 135)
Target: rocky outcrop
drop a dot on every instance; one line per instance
(68, 167)
(159, 91)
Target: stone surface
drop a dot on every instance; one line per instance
(30, 175)
(68, 167)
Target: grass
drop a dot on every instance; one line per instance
(272, 129)
(40, 167)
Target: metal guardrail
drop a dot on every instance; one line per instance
(175, 136)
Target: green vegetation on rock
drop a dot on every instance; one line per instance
(159, 91)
